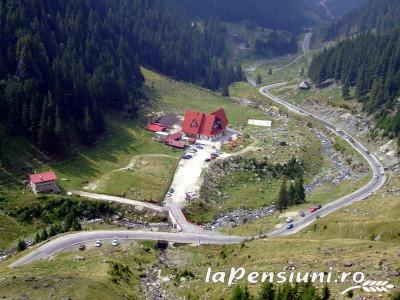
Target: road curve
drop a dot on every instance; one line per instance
(194, 234)
(377, 181)
(73, 240)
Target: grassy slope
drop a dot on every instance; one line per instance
(65, 276)
(366, 234)
(169, 95)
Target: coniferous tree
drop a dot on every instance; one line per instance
(283, 197)
(21, 245)
(258, 79)
(44, 234)
(326, 293)
(267, 292)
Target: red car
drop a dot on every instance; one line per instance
(82, 247)
(314, 209)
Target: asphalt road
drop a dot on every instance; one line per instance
(378, 180)
(194, 234)
(72, 241)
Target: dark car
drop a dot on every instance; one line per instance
(199, 147)
(302, 214)
(289, 226)
(207, 160)
(187, 156)
(82, 247)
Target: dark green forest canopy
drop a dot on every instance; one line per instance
(371, 64)
(378, 15)
(64, 63)
(289, 15)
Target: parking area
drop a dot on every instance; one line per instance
(188, 177)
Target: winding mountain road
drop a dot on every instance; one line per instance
(377, 181)
(191, 234)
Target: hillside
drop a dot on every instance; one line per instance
(379, 15)
(335, 9)
(370, 64)
(286, 15)
(64, 64)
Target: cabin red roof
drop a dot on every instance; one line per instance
(156, 127)
(42, 177)
(205, 124)
(175, 136)
(176, 144)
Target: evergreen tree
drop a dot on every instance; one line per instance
(345, 91)
(326, 293)
(267, 292)
(44, 234)
(240, 293)
(225, 91)
(283, 197)
(258, 79)
(37, 238)
(52, 231)
(21, 245)
(300, 191)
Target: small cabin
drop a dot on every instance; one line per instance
(44, 183)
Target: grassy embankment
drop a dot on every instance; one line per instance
(364, 235)
(81, 275)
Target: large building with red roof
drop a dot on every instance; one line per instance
(44, 182)
(205, 125)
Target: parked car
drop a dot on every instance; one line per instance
(191, 150)
(207, 160)
(82, 247)
(168, 195)
(172, 190)
(187, 156)
(115, 242)
(318, 206)
(289, 226)
(302, 214)
(199, 147)
(289, 220)
(97, 244)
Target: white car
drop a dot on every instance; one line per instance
(169, 194)
(97, 244)
(115, 242)
(289, 220)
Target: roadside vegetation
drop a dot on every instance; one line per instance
(245, 183)
(92, 274)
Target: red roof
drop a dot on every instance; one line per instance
(205, 124)
(42, 177)
(175, 136)
(156, 127)
(176, 144)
